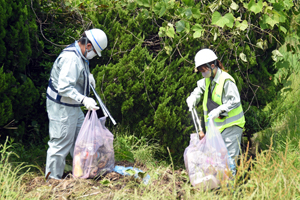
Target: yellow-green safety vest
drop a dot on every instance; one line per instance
(235, 116)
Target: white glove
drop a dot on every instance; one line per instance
(191, 103)
(214, 114)
(92, 80)
(90, 103)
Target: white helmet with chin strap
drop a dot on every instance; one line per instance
(98, 39)
(203, 57)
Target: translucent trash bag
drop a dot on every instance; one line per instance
(207, 160)
(93, 152)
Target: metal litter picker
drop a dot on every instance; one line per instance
(196, 121)
(103, 107)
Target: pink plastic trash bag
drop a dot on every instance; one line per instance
(206, 160)
(93, 152)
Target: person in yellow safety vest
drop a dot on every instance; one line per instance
(221, 101)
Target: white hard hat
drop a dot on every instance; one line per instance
(204, 56)
(98, 39)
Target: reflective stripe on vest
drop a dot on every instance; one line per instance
(53, 95)
(235, 116)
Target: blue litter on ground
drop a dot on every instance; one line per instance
(127, 171)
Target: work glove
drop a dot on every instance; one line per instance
(92, 80)
(214, 113)
(191, 103)
(90, 103)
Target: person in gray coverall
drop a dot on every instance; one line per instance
(67, 91)
(221, 101)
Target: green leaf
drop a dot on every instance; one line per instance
(145, 12)
(282, 64)
(254, 7)
(260, 44)
(131, 6)
(196, 13)
(243, 57)
(188, 2)
(181, 11)
(105, 182)
(230, 17)
(278, 6)
(188, 27)
(170, 32)
(218, 20)
(142, 174)
(270, 20)
(145, 3)
(162, 11)
(215, 36)
(280, 16)
(162, 32)
(242, 26)
(160, 8)
(188, 12)
(277, 53)
(198, 30)
(180, 26)
(287, 4)
(131, 172)
(283, 29)
(234, 6)
(168, 49)
(263, 25)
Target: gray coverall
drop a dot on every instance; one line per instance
(68, 85)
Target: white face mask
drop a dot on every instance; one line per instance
(206, 74)
(90, 55)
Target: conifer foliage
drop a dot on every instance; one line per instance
(145, 74)
(18, 92)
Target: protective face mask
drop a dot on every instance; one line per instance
(206, 74)
(91, 54)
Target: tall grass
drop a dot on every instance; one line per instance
(11, 175)
(272, 175)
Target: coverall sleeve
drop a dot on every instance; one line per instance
(195, 96)
(231, 98)
(69, 74)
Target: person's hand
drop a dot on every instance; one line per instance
(191, 103)
(92, 80)
(201, 135)
(90, 103)
(214, 114)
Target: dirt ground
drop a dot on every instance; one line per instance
(73, 188)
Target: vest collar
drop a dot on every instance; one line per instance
(217, 77)
(79, 51)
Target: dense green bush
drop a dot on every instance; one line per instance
(145, 74)
(146, 88)
(18, 91)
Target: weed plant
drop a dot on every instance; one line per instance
(271, 175)
(11, 175)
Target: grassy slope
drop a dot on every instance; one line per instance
(284, 111)
(274, 174)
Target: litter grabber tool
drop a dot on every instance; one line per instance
(103, 107)
(196, 121)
